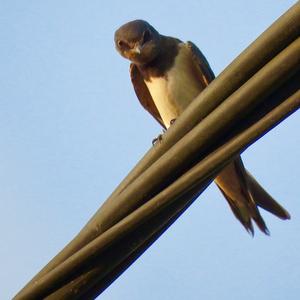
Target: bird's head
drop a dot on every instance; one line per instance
(138, 41)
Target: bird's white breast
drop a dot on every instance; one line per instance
(159, 88)
(176, 89)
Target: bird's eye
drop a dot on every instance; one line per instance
(146, 36)
(121, 44)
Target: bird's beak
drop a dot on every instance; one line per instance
(137, 49)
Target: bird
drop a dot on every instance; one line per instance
(167, 75)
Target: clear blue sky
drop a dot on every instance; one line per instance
(71, 129)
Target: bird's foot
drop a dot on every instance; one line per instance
(157, 139)
(172, 121)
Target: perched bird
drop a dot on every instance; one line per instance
(167, 74)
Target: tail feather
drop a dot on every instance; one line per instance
(264, 200)
(240, 213)
(244, 195)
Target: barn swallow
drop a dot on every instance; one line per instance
(167, 75)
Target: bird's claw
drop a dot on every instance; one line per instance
(157, 139)
(172, 121)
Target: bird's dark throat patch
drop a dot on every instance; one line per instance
(163, 62)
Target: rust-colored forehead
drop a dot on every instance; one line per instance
(132, 31)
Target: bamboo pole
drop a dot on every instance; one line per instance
(201, 173)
